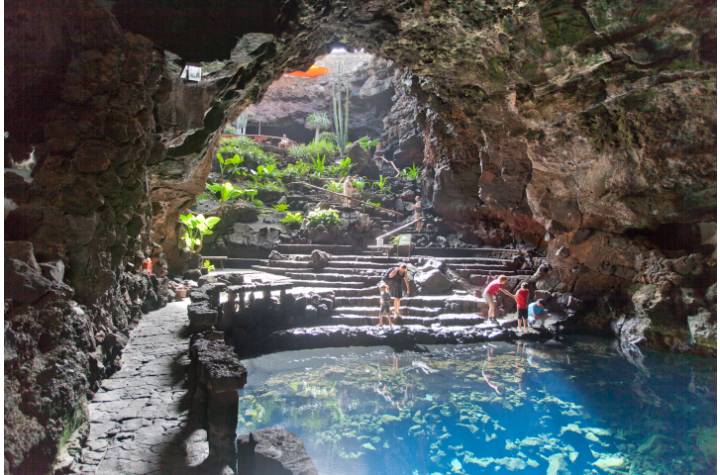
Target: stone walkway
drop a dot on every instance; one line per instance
(139, 419)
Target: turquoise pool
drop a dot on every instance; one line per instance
(578, 408)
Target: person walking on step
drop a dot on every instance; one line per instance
(417, 208)
(395, 277)
(521, 302)
(490, 295)
(384, 304)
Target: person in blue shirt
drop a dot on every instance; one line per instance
(537, 311)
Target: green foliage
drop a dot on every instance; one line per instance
(208, 265)
(196, 227)
(382, 184)
(292, 219)
(299, 169)
(395, 240)
(230, 165)
(318, 165)
(313, 149)
(325, 217)
(328, 137)
(268, 172)
(203, 197)
(359, 185)
(410, 173)
(366, 143)
(317, 121)
(247, 149)
(342, 167)
(281, 207)
(375, 204)
(335, 186)
(225, 192)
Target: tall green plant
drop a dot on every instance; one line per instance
(196, 227)
(318, 121)
(341, 113)
(410, 173)
(318, 165)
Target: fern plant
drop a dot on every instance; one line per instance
(382, 184)
(281, 207)
(318, 165)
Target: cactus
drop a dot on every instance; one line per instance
(341, 113)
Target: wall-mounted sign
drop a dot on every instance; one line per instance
(192, 73)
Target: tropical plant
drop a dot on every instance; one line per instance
(196, 227)
(318, 121)
(335, 186)
(298, 169)
(342, 167)
(326, 217)
(281, 207)
(382, 184)
(229, 165)
(224, 191)
(318, 165)
(209, 266)
(341, 113)
(410, 173)
(247, 148)
(359, 185)
(328, 136)
(313, 149)
(292, 219)
(268, 172)
(366, 143)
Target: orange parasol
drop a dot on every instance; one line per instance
(312, 72)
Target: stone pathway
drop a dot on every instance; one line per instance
(139, 419)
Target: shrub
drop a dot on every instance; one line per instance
(299, 169)
(247, 149)
(382, 184)
(342, 167)
(313, 149)
(292, 219)
(328, 137)
(366, 143)
(318, 165)
(326, 217)
(410, 173)
(281, 207)
(208, 265)
(359, 185)
(335, 186)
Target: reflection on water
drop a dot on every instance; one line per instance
(489, 408)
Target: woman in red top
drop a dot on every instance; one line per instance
(491, 290)
(521, 301)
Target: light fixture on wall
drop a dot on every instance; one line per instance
(191, 73)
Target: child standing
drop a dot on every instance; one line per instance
(521, 301)
(384, 304)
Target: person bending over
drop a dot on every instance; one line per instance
(537, 312)
(395, 278)
(490, 295)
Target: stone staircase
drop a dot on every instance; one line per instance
(354, 276)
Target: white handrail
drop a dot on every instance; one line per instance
(380, 240)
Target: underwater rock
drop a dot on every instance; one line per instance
(273, 451)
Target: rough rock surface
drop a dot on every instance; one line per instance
(273, 451)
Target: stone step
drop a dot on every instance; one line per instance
(456, 251)
(357, 292)
(336, 249)
(414, 259)
(397, 336)
(324, 284)
(445, 320)
(308, 276)
(455, 302)
(374, 310)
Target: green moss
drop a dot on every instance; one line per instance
(71, 423)
(563, 24)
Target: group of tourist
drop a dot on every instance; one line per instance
(396, 278)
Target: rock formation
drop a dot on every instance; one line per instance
(584, 127)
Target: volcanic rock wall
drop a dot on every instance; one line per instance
(586, 126)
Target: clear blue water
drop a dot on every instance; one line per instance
(500, 408)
